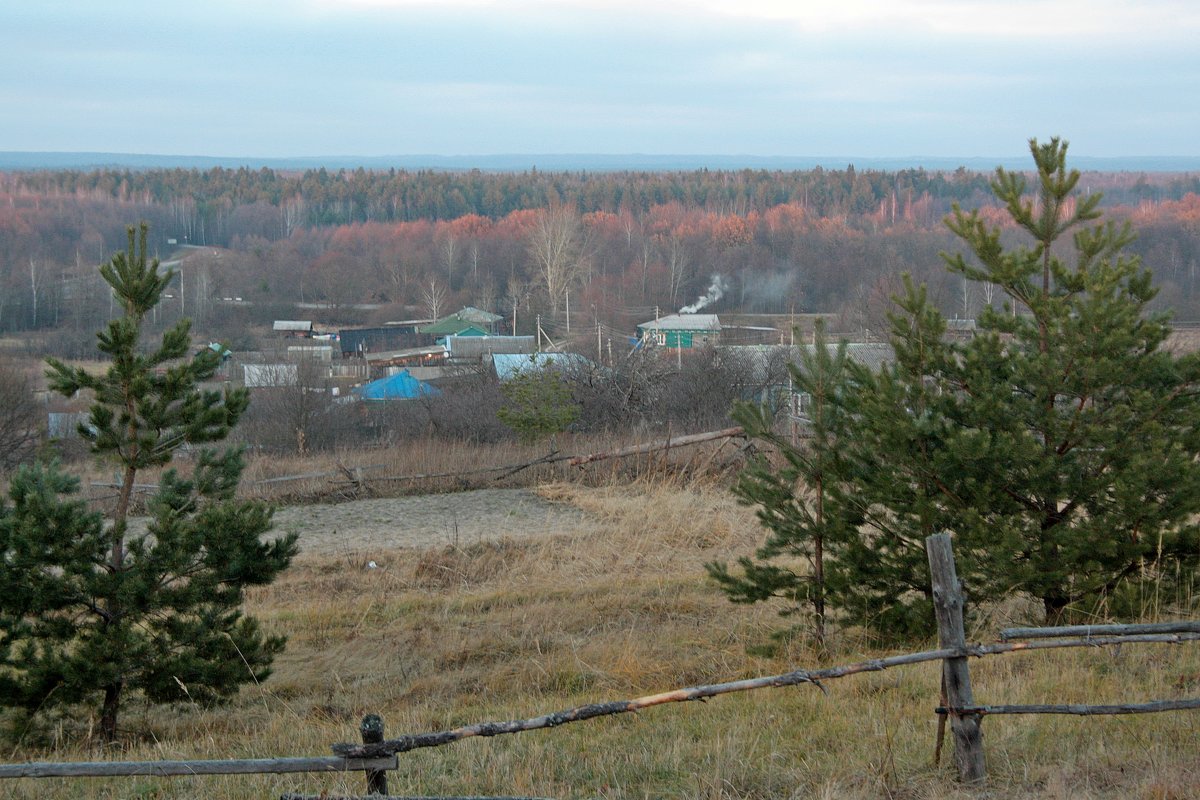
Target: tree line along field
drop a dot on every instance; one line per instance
(831, 241)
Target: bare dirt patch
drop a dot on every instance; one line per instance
(463, 518)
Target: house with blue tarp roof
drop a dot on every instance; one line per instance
(401, 386)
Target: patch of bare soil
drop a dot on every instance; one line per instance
(361, 527)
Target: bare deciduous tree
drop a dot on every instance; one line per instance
(290, 411)
(678, 261)
(20, 417)
(557, 248)
(448, 250)
(434, 296)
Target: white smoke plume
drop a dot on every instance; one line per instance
(716, 290)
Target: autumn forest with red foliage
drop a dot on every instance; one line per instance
(360, 247)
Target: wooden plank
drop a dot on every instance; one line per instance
(1182, 626)
(246, 766)
(948, 602)
(1077, 709)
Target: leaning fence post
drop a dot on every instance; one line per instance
(948, 601)
(372, 733)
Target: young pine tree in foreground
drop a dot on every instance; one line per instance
(92, 609)
(1059, 445)
(1089, 426)
(795, 500)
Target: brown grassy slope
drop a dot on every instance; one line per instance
(504, 630)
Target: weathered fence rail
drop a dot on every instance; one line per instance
(1100, 630)
(1081, 710)
(164, 769)
(376, 755)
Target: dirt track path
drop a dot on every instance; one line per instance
(361, 526)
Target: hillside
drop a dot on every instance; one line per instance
(504, 628)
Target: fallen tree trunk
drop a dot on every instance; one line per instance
(664, 444)
(574, 460)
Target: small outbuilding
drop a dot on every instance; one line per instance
(360, 342)
(473, 348)
(297, 328)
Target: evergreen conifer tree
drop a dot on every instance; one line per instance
(1059, 444)
(93, 608)
(796, 500)
(1088, 427)
(537, 402)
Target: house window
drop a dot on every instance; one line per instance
(801, 406)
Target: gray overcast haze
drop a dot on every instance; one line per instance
(870, 78)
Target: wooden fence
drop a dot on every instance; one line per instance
(375, 755)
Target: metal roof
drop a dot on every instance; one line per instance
(509, 364)
(472, 314)
(452, 325)
(476, 346)
(684, 322)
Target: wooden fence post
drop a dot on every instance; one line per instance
(948, 601)
(372, 733)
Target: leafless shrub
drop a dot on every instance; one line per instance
(21, 418)
(689, 391)
(298, 413)
(463, 411)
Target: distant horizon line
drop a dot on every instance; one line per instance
(21, 160)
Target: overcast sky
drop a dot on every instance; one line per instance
(869, 78)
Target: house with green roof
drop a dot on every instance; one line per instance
(468, 321)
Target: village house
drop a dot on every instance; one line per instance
(683, 331)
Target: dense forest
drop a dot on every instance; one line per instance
(613, 247)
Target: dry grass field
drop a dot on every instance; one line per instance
(496, 626)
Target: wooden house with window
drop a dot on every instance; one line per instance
(683, 331)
